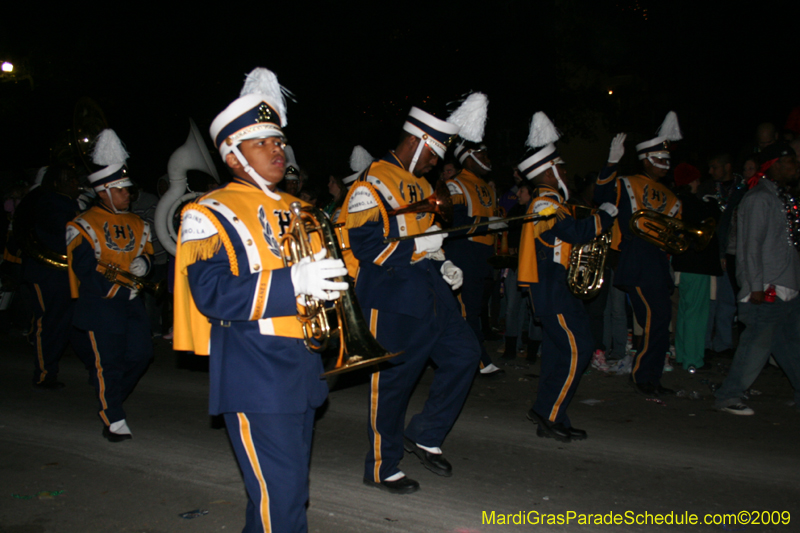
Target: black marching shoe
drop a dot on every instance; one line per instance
(404, 485)
(577, 434)
(645, 389)
(435, 462)
(115, 437)
(548, 429)
(663, 391)
(49, 385)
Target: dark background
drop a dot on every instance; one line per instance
(355, 70)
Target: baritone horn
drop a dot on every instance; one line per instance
(672, 235)
(587, 261)
(357, 347)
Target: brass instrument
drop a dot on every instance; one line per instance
(587, 261)
(672, 235)
(357, 346)
(439, 203)
(125, 279)
(528, 217)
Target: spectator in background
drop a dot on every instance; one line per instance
(694, 270)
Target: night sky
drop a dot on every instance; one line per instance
(356, 69)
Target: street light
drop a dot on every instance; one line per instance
(7, 67)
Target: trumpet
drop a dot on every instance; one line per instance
(672, 235)
(123, 278)
(357, 346)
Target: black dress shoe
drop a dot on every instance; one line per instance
(115, 437)
(404, 485)
(49, 385)
(577, 434)
(663, 391)
(435, 462)
(645, 389)
(548, 429)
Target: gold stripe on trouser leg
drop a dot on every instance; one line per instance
(645, 335)
(573, 365)
(101, 383)
(39, 354)
(373, 406)
(247, 441)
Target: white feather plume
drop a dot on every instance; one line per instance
(108, 149)
(669, 128)
(542, 131)
(290, 158)
(470, 117)
(360, 159)
(264, 81)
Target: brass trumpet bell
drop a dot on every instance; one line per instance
(439, 203)
(125, 279)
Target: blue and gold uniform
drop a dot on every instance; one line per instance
(410, 309)
(643, 271)
(473, 202)
(112, 317)
(545, 248)
(235, 301)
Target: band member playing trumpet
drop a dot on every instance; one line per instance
(643, 270)
(404, 289)
(544, 254)
(110, 314)
(236, 302)
(473, 201)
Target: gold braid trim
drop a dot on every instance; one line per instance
(193, 251)
(355, 220)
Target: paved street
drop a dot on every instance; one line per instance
(680, 456)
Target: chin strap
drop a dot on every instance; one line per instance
(484, 167)
(261, 182)
(416, 156)
(657, 165)
(111, 203)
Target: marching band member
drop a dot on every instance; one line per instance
(112, 316)
(236, 302)
(643, 270)
(404, 289)
(473, 202)
(545, 248)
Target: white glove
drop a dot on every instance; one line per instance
(430, 244)
(617, 148)
(497, 225)
(452, 275)
(134, 293)
(138, 267)
(609, 208)
(313, 277)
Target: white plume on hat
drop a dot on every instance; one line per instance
(291, 160)
(670, 130)
(470, 117)
(360, 159)
(264, 81)
(542, 131)
(108, 149)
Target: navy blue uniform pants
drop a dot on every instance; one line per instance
(120, 359)
(472, 258)
(273, 451)
(567, 347)
(653, 310)
(443, 338)
(53, 307)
